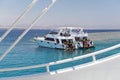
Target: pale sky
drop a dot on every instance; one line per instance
(93, 14)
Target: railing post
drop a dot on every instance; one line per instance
(47, 68)
(94, 58)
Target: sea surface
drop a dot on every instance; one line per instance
(28, 53)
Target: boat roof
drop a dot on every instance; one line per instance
(71, 28)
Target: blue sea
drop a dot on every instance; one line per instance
(28, 53)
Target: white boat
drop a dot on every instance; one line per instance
(68, 38)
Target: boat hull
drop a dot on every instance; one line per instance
(50, 44)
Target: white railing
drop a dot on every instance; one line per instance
(26, 30)
(93, 55)
(19, 19)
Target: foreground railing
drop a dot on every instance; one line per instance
(93, 55)
(26, 30)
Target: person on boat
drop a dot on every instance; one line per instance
(85, 43)
(61, 34)
(70, 46)
(44, 36)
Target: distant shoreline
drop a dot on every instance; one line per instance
(56, 28)
(94, 35)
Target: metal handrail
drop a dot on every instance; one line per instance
(87, 55)
(93, 55)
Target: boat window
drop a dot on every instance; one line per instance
(57, 41)
(70, 40)
(77, 38)
(64, 41)
(84, 38)
(53, 33)
(49, 39)
(65, 34)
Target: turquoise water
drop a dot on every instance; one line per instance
(28, 53)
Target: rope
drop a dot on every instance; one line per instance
(25, 32)
(18, 19)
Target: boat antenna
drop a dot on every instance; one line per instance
(18, 19)
(25, 32)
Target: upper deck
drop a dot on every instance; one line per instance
(67, 32)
